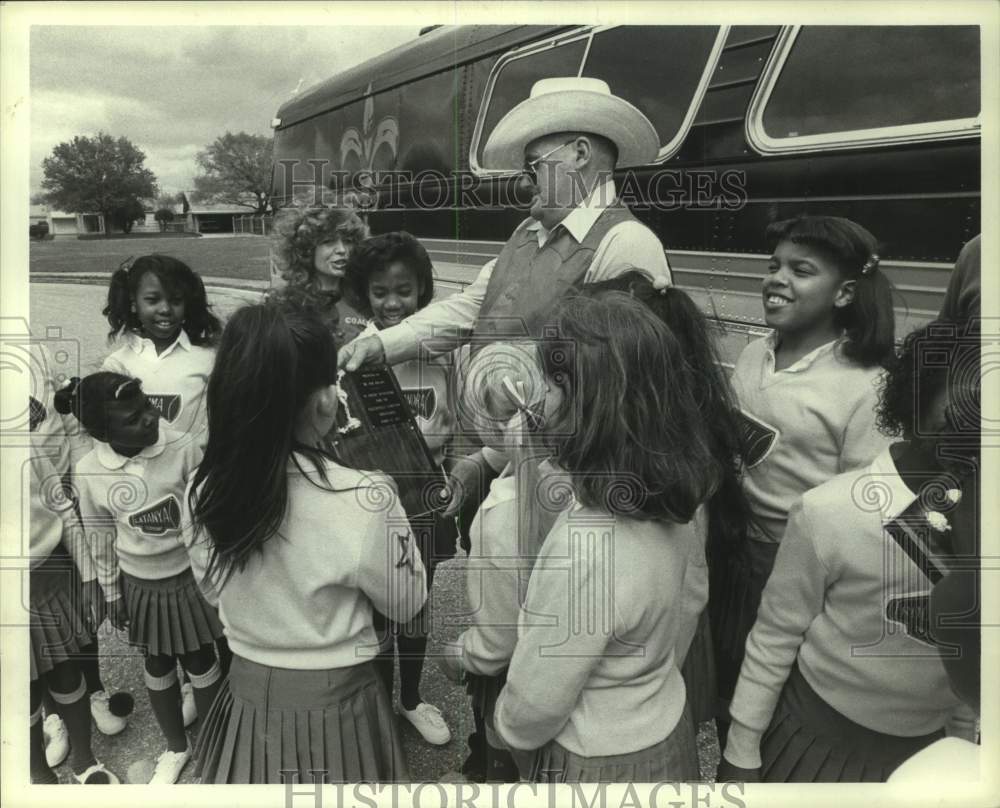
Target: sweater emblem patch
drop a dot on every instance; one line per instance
(406, 551)
(167, 404)
(421, 400)
(913, 613)
(157, 519)
(759, 438)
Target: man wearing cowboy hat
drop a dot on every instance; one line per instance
(566, 138)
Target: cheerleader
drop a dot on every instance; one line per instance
(722, 520)
(594, 692)
(66, 604)
(842, 681)
(157, 305)
(807, 394)
(503, 384)
(393, 274)
(297, 551)
(130, 490)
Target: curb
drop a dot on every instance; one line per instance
(234, 284)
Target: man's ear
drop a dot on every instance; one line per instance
(584, 151)
(845, 294)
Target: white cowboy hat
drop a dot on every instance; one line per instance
(572, 105)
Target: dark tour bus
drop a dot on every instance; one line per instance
(756, 123)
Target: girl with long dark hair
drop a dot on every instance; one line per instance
(296, 550)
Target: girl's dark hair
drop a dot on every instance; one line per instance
(931, 360)
(271, 358)
(376, 253)
(177, 278)
(729, 510)
(87, 399)
(298, 231)
(633, 435)
(868, 321)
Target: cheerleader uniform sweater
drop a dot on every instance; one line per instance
(131, 508)
(803, 425)
(174, 380)
(595, 667)
(50, 516)
(305, 602)
(491, 581)
(837, 582)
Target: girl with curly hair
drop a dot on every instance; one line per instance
(158, 307)
(312, 247)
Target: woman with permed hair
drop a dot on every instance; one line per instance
(312, 247)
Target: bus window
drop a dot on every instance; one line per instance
(830, 87)
(513, 80)
(662, 70)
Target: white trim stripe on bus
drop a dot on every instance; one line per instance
(667, 150)
(765, 144)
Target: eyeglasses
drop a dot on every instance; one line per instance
(529, 166)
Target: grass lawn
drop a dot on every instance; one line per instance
(241, 257)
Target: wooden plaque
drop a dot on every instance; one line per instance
(376, 431)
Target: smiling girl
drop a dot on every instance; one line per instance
(807, 394)
(393, 273)
(159, 307)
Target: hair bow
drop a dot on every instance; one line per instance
(870, 265)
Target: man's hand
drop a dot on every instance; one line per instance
(728, 773)
(361, 351)
(117, 614)
(465, 477)
(94, 607)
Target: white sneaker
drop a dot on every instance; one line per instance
(56, 740)
(169, 767)
(97, 775)
(187, 704)
(107, 722)
(428, 722)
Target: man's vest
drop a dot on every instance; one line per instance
(527, 280)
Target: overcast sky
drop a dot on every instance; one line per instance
(172, 91)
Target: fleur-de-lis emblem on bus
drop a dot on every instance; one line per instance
(365, 144)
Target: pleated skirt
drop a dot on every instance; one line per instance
(276, 725)
(56, 626)
(809, 741)
(169, 616)
(673, 759)
(735, 588)
(698, 671)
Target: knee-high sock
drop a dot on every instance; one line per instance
(89, 660)
(411, 645)
(165, 699)
(412, 649)
(40, 771)
(206, 686)
(74, 708)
